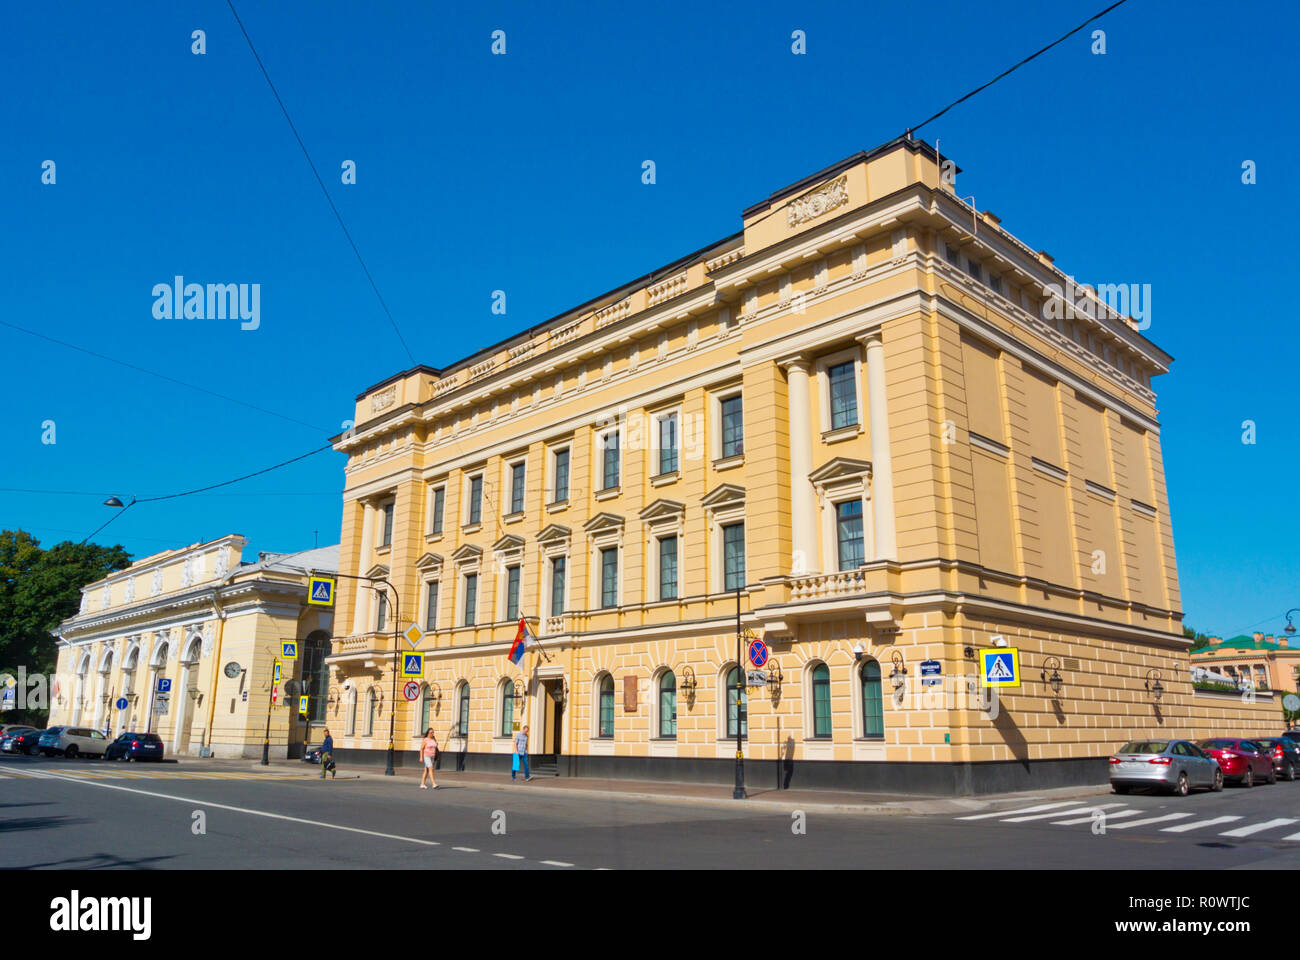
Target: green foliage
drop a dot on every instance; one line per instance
(39, 588)
(1198, 639)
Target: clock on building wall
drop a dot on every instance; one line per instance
(232, 669)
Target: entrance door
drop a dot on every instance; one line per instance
(553, 710)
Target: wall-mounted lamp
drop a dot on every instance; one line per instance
(1153, 684)
(686, 682)
(775, 678)
(1054, 680)
(899, 673)
(858, 650)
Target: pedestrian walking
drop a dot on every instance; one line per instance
(327, 755)
(428, 753)
(521, 755)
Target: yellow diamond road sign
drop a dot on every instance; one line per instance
(413, 635)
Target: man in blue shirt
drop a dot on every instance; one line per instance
(327, 754)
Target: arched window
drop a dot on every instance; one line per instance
(352, 712)
(372, 711)
(667, 705)
(606, 691)
(508, 708)
(426, 702)
(821, 701)
(873, 707)
(732, 713)
(462, 711)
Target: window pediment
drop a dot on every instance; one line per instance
(430, 562)
(841, 468)
(724, 495)
(467, 553)
(508, 544)
(554, 533)
(663, 510)
(378, 571)
(603, 523)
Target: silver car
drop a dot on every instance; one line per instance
(1175, 765)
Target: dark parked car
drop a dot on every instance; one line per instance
(12, 732)
(1243, 761)
(311, 755)
(26, 742)
(1285, 754)
(135, 746)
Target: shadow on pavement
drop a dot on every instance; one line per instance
(98, 861)
(39, 823)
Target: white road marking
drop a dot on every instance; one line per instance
(1142, 823)
(1197, 824)
(1044, 816)
(466, 849)
(508, 856)
(251, 813)
(556, 863)
(1109, 817)
(1257, 827)
(1012, 813)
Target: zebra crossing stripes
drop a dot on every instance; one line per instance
(1086, 808)
(1149, 820)
(1199, 824)
(1090, 817)
(1012, 813)
(1257, 827)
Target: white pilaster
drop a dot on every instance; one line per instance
(882, 470)
(803, 498)
(360, 595)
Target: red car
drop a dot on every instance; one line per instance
(1243, 761)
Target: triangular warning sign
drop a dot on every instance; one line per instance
(999, 670)
(321, 590)
(412, 664)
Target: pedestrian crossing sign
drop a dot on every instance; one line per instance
(1000, 667)
(320, 591)
(289, 649)
(412, 665)
(302, 704)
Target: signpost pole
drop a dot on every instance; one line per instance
(266, 738)
(739, 792)
(392, 717)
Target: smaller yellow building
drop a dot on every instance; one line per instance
(184, 644)
(1266, 662)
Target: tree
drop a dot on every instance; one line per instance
(39, 588)
(1198, 639)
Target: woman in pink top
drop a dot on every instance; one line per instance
(428, 752)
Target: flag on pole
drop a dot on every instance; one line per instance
(523, 640)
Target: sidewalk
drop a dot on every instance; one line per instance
(822, 801)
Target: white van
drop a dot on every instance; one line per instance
(73, 741)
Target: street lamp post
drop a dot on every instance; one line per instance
(397, 620)
(739, 792)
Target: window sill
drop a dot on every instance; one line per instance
(513, 517)
(557, 505)
(726, 463)
(842, 433)
(876, 738)
(433, 537)
(608, 493)
(384, 549)
(663, 479)
(471, 527)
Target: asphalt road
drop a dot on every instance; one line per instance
(87, 814)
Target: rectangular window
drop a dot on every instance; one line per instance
(609, 577)
(995, 283)
(844, 395)
(848, 534)
(973, 268)
(381, 613)
(950, 252)
(517, 488)
(561, 475)
(388, 525)
(609, 476)
(431, 605)
(512, 593)
(476, 499)
(558, 565)
(733, 426)
(668, 443)
(733, 556)
(471, 597)
(439, 501)
(668, 568)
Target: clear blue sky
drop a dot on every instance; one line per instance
(522, 173)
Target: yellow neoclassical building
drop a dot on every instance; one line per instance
(212, 625)
(872, 426)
